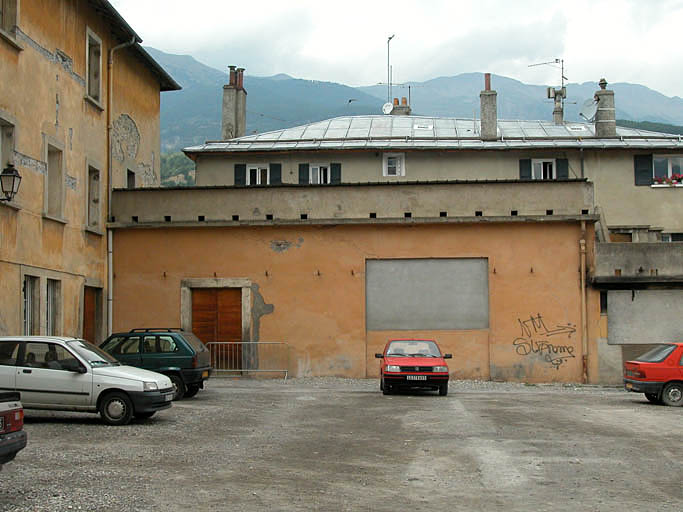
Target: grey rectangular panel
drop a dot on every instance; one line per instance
(644, 316)
(427, 294)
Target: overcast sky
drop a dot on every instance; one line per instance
(638, 41)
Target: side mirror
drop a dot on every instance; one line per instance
(379, 356)
(448, 356)
(78, 369)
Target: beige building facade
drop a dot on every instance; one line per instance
(79, 114)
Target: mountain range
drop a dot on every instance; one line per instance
(192, 116)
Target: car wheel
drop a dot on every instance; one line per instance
(178, 386)
(116, 408)
(191, 390)
(673, 394)
(386, 389)
(653, 397)
(443, 389)
(144, 415)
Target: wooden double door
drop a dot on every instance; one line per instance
(216, 318)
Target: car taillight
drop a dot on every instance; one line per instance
(14, 420)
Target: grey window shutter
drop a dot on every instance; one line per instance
(562, 168)
(525, 169)
(335, 176)
(275, 174)
(303, 174)
(240, 174)
(642, 165)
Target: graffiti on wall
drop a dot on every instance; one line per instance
(535, 340)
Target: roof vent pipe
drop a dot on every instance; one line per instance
(605, 117)
(489, 110)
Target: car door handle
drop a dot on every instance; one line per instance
(26, 371)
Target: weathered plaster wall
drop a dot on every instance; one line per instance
(44, 100)
(314, 279)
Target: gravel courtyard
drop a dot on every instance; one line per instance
(334, 444)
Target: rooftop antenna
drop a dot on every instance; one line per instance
(389, 70)
(562, 91)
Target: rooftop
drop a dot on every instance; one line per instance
(416, 132)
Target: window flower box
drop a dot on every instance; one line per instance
(675, 180)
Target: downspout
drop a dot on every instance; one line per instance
(110, 236)
(584, 322)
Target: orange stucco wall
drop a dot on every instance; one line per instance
(316, 285)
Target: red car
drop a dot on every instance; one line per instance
(658, 373)
(413, 364)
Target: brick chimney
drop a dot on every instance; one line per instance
(489, 110)
(401, 110)
(605, 117)
(234, 105)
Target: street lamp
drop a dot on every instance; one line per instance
(9, 182)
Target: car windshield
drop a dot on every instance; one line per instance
(657, 354)
(413, 348)
(92, 354)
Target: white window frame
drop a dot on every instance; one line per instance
(92, 37)
(542, 161)
(401, 171)
(669, 172)
(258, 168)
(315, 171)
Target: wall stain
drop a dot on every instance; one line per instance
(258, 309)
(284, 245)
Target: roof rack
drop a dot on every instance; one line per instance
(155, 329)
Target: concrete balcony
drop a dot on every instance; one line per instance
(472, 201)
(638, 265)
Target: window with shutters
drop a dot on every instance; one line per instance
(31, 303)
(393, 164)
(320, 174)
(93, 64)
(544, 169)
(6, 143)
(53, 306)
(258, 174)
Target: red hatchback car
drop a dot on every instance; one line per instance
(413, 364)
(658, 373)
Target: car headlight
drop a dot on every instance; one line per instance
(393, 368)
(440, 369)
(150, 386)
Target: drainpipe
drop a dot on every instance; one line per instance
(584, 326)
(110, 238)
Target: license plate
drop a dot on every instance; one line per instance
(168, 397)
(629, 385)
(416, 377)
(205, 374)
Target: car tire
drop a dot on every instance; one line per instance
(653, 397)
(116, 408)
(192, 390)
(386, 389)
(178, 386)
(144, 415)
(443, 389)
(673, 394)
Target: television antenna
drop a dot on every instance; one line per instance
(561, 93)
(589, 109)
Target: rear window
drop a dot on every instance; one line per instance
(657, 354)
(8, 352)
(196, 343)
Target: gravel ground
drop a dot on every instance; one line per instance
(339, 444)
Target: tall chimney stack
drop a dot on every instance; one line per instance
(605, 117)
(403, 109)
(489, 110)
(234, 123)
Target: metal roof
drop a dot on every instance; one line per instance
(417, 132)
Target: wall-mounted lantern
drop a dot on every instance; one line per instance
(9, 182)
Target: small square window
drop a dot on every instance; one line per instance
(258, 174)
(543, 169)
(319, 174)
(393, 164)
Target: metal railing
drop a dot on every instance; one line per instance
(245, 357)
